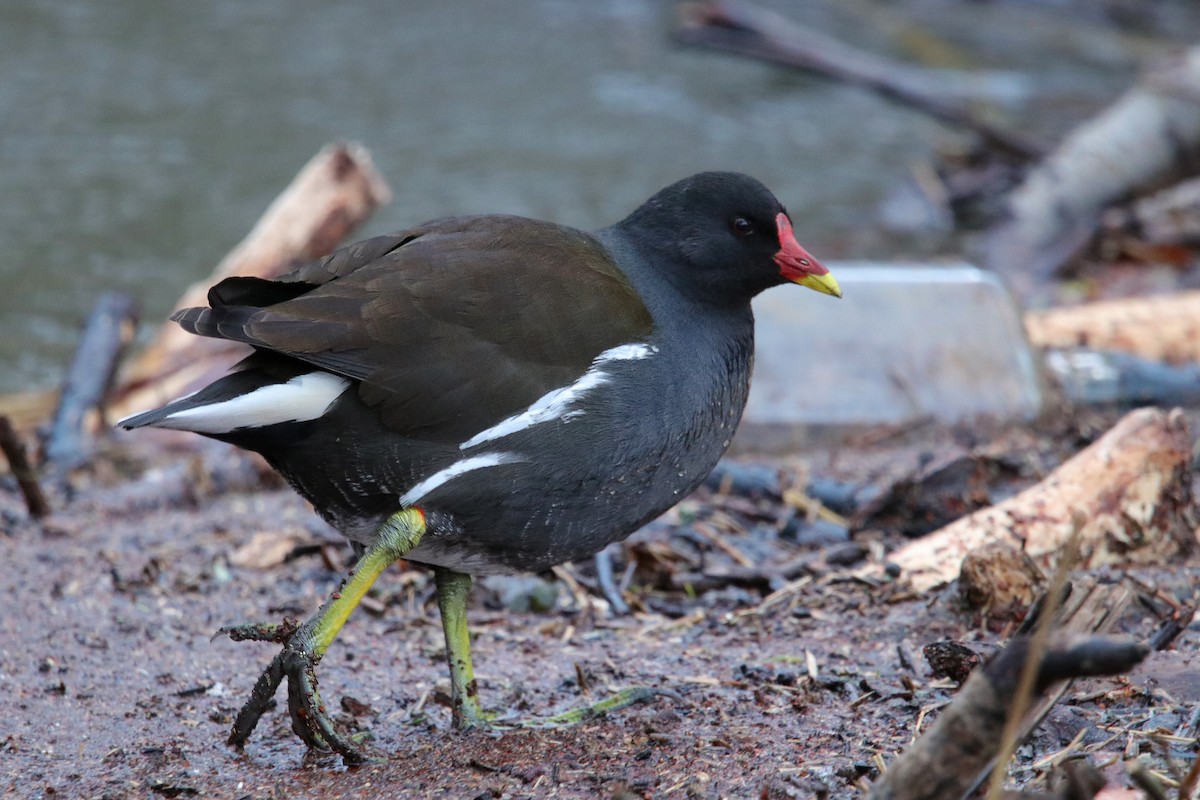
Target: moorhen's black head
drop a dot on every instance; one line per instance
(725, 236)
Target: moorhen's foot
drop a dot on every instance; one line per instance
(303, 646)
(297, 663)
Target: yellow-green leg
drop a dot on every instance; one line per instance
(304, 645)
(452, 590)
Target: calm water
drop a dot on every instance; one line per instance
(139, 140)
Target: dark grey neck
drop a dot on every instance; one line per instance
(672, 295)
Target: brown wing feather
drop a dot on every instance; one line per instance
(451, 327)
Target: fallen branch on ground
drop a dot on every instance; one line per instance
(1170, 217)
(1132, 486)
(946, 761)
(746, 29)
(18, 463)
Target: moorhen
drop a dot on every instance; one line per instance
(491, 394)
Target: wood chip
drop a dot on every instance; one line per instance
(267, 549)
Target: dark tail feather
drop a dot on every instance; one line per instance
(222, 322)
(258, 292)
(146, 418)
(196, 320)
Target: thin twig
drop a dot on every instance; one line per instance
(27, 479)
(719, 542)
(775, 597)
(581, 596)
(1146, 780)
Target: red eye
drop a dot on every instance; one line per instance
(742, 226)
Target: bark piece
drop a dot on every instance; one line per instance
(999, 579)
(1132, 486)
(1161, 327)
(334, 193)
(951, 659)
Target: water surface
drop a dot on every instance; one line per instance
(140, 140)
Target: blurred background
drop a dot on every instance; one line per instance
(139, 140)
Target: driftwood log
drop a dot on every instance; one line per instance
(1161, 328)
(1132, 487)
(1146, 140)
(331, 196)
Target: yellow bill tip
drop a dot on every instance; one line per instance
(825, 284)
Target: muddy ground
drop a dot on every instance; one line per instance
(114, 686)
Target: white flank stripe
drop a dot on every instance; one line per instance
(302, 398)
(556, 403)
(626, 352)
(414, 495)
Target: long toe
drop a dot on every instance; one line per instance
(616, 702)
(311, 721)
(260, 700)
(620, 700)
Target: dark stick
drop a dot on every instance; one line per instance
(109, 328)
(14, 451)
(745, 29)
(967, 736)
